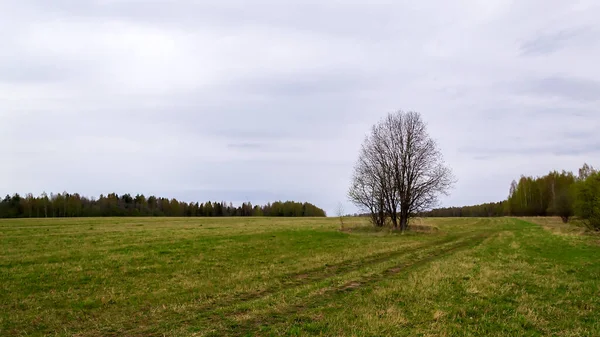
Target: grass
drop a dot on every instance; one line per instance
(557, 226)
(295, 277)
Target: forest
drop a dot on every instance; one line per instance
(75, 205)
(561, 194)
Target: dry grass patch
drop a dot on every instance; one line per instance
(557, 226)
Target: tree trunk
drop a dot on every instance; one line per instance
(394, 217)
(403, 222)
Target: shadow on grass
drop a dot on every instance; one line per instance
(413, 229)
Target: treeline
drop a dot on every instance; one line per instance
(561, 194)
(75, 205)
(484, 210)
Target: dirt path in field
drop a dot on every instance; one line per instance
(234, 327)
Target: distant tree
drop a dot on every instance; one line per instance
(208, 209)
(587, 202)
(152, 204)
(561, 194)
(29, 202)
(140, 204)
(45, 202)
(340, 214)
(218, 209)
(563, 206)
(585, 171)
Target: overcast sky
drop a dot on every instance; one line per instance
(261, 101)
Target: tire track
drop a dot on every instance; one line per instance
(250, 326)
(223, 309)
(314, 275)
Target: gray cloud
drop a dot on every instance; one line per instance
(558, 149)
(225, 101)
(313, 83)
(33, 73)
(577, 89)
(548, 43)
(291, 14)
(246, 145)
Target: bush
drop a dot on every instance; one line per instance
(587, 201)
(563, 205)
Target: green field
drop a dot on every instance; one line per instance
(295, 277)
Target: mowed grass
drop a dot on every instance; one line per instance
(295, 277)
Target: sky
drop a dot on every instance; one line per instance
(263, 101)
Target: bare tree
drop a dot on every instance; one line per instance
(400, 170)
(367, 189)
(45, 200)
(340, 213)
(586, 171)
